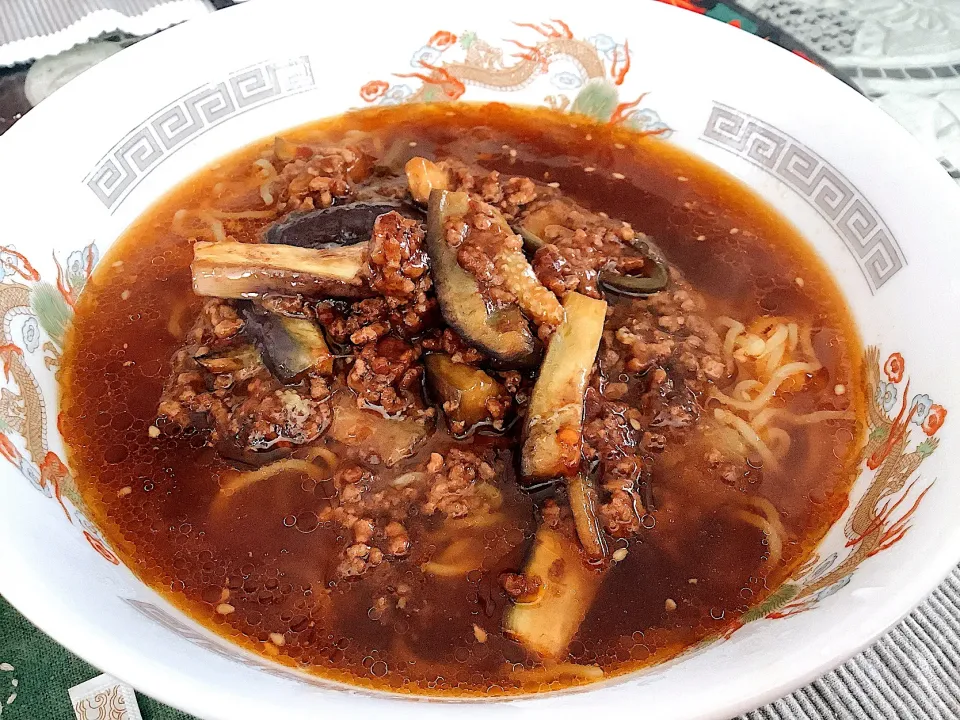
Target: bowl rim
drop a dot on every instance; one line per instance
(121, 659)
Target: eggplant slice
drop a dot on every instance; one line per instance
(584, 497)
(244, 270)
(548, 622)
(234, 359)
(503, 334)
(423, 177)
(554, 426)
(290, 347)
(462, 391)
(334, 226)
(392, 439)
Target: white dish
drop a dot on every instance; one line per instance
(91, 158)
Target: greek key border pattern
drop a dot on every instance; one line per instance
(143, 149)
(836, 199)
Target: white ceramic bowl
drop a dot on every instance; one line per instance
(80, 167)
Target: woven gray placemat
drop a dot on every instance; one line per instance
(912, 673)
(32, 29)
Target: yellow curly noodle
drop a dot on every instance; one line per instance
(232, 483)
(761, 514)
(463, 536)
(769, 356)
(208, 222)
(268, 173)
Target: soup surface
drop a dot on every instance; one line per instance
(462, 399)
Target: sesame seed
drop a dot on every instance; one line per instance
(618, 176)
(692, 581)
(513, 153)
(619, 146)
(734, 231)
(224, 594)
(701, 238)
(553, 184)
(413, 143)
(619, 555)
(589, 169)
(505, 147)
(588, 136)
(153, 431)
(117, 264)
(670, 605)
(278, 639)
(225, 608)
(125, 295)
(799, 282)
(839, 390)
(682, 178)
(124, 491)
(449, 113)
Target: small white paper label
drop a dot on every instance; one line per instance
(104, 697)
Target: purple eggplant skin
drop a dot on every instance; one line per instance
(335, 226)
(290, 347)
(504, 335)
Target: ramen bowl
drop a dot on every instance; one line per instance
(879, 213)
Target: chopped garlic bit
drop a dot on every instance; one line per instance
(479, 633)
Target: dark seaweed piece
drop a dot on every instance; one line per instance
(616, 282)
(637, 285)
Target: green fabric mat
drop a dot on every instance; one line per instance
(41, 673)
